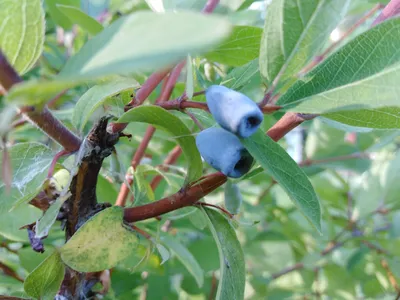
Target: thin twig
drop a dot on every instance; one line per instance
(288, 270)
(141, 231)
(391, 10)
(217, 207)
(10, 272)
(210, 6)
(390, 275)
(309, 162)
(194, 119)
(43, 119)
(213, 288)
(56, 157)
(266, 191)
(52, 103)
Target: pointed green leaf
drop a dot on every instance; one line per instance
(363, 74)
(22, 32)
(36, 92)
(169, 38)
(231, 257)
(241, 47)
(87, 23)
(287, 173)
(29, 164)
(44, 224)
(96, 96)
(92, 248)
(58, 17)
(295, 31)
(241, 76)
(45, 280)
(163, 119)
(378, 118)
(186, 258)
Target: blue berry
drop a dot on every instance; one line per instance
(234, 111)
(224, 151)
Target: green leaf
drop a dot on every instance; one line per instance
(274, 159)
(169, 37)
(186, 258)
(96, 96)
(44, 224)
(87, 23)
(29, 163)
(89, 251)
(294, 32)
(363, 74)
(22, 32)
(241, 47)
(241, 76)
(204, 117)
(164, 253)
(159, 117)
(45, 280)
(233, 198)
(36, 92)
(378, 118)
(58, 17)
(231, 257)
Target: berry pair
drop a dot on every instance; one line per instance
(238, 116)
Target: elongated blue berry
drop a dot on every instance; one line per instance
(233, 111)
(224, 151)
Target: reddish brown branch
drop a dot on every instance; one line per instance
(178, 104)
(55, 129)
(8, 76)
(10, 272)
(165, 94)
(181, 199)
(149, 86)
(288, 122)
(53, 102)
(42, 119)
(169, 87)
(391, 10)
(210, 6)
